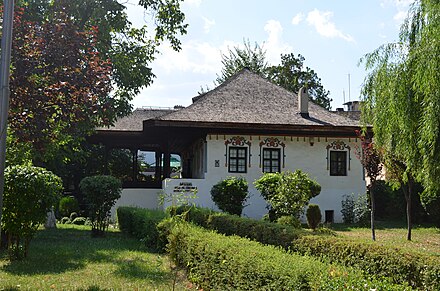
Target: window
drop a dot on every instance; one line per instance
(237, 159)
(271, 160)
(338, 163)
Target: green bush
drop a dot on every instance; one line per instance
(314, 216)
(197, 215)
(419, 271)
(67, 205)
(140, 223)
(29, 194)
(100, 193)
(347, 210)
(79, 220)
(289, 220)
(287, 193)
(216, 262)
(230, 195)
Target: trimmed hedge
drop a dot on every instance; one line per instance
(419, 271)
(261, 231)
(217, 262)
(140, 223)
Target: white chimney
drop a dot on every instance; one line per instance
(303, 102)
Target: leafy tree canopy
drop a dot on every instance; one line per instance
(402, 100)
(290, 74)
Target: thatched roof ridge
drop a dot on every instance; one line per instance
(133, 122)
(249, 98)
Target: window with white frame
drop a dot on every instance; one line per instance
(237, 160)
(271, 160)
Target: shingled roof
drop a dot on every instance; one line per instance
(133, 122)
(251, 99)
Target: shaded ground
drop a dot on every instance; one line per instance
(68, 258)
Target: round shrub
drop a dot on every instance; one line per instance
(230, 194)
(67, 205)
(100, 193)
(65, 220)
(79, 221)
(314, 216)
(289, 220)
(30, 192)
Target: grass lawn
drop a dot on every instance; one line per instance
(68, 258)
(424, 239)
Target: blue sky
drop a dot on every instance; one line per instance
(332, 35)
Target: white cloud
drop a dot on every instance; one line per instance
(297, 18)
(400, 16)
(401, 6)
(208, 23)
(274, 45)
(321, 21)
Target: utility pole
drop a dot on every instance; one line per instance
(5, 62)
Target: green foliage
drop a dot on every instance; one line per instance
(67, 205)
(101, 193)
(362, 212)
(314, 216)
(197, 215)
(289, 220)
(261, 231)
(29, 194)
(347, 209)
(230, 194)
(141, 223)
(421, 272)
(253, 58)
(402, 100)
(287, 193)
(292, 75)
(216, 262)
(79, 220)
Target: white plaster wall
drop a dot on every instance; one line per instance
(299, 155)
(143, 198)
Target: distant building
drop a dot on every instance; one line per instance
(352, 110)
(245, 127)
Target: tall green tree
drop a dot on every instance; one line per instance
(129, 49)
(290, 74)
(237, 58)
(402, 99)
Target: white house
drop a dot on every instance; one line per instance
(244, 127)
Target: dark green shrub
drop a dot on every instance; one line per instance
(29, 194)
(230, 195)
(197, 215)
(287, 193)
(314, 216)
(216, 262)
(79, 221)
(100, 193)
(140, 223)
(67, 205)
(65, 220)
(289, 220)
(419, 271)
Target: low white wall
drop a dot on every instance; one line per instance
(143, 198)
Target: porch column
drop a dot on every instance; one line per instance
(157, 168)
(106, 153)
(166, 163)
(135, 164)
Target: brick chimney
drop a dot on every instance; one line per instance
(303, 102)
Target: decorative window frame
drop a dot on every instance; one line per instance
(272, 142)
(237, 141)
(338, 145)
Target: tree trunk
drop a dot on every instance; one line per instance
(373, 211)
(407, 191)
